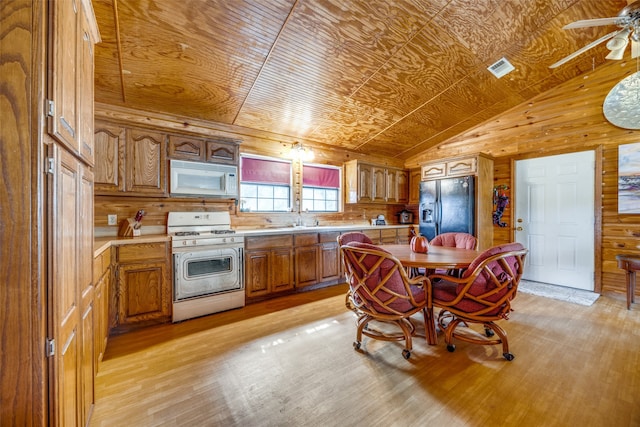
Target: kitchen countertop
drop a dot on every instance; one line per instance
(100, 244)
(104, 242)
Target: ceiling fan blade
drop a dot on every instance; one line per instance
(592, 23)
(584, 49)
(635, 49)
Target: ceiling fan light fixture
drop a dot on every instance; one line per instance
(619, 41)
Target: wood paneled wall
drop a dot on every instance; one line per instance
(566, 119)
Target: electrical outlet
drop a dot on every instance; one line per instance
(112, 219)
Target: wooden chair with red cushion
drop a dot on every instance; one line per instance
(381, 291)
(454, 240)
(346, 238)
(482, 295)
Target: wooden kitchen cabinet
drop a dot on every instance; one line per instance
(70, 96)
(146, 163)
(269, 264)
(330, 267)
(102, 268)
(389, 236)
(201, 150)
(70, 228)
(307, 254)
(143, 285)
(109, 175)
(130, 161)
(368, 183)
(451, 167)
(415, 176)
(223, 151)
(186, 148)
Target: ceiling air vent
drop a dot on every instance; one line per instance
(501, 68)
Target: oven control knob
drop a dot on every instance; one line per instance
(193, 242)
(184, 243)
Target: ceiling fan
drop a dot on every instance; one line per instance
(628, 20)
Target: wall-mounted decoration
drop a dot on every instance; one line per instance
(500, 200)
(629, 178)
(622, 105)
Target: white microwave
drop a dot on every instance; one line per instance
(203, 179)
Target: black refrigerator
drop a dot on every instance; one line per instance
(447, 205)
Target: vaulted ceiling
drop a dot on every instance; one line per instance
(392, 77)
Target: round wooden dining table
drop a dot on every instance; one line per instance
(441, 257)
(437, 257)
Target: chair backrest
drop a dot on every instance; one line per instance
(378, 282)
(491, 281)
(353, 236)
(495, 273)
(455, 240)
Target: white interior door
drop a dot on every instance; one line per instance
(555, 218)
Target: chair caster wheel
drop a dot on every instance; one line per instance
(489, 332)
(451, 348)
(356, 345)
(509, 356)
(406, 354)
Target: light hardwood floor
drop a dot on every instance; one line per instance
(290, 362)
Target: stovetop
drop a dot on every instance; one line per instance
(201, 229)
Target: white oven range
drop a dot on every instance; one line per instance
(208, 264)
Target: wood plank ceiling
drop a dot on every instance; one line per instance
(390, 77)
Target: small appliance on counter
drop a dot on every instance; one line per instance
(405, 217)
(380, 220)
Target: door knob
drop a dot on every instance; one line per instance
(519, 229)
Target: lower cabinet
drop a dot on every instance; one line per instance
(102, 279)
(268, 265)
(143, 284)
(306, 259)
(288, 262)
(330, 266)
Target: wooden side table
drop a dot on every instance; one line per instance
(631, 264)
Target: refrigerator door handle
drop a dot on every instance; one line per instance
(437, 215)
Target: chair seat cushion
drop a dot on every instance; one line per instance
(446, 291)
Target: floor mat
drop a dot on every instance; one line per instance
(576, 296)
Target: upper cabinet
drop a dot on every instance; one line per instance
(146, 163)
(480, 166)
(450, 168)
(130, 162)
(70, 101)
(204, 150)
(368, 183)
(414, 186)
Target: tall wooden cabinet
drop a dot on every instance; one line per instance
(70, 156)
(70, 102)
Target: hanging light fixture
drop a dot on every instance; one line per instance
(300, 152)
